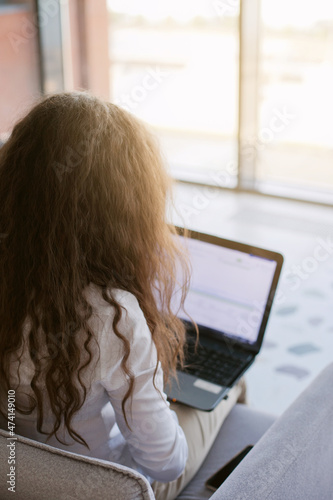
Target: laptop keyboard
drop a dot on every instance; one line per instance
(215, 366)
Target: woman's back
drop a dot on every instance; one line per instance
(87, 274)
(98, 419)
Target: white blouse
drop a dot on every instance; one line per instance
(155, 444)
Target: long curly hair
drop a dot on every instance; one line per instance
(83, 195)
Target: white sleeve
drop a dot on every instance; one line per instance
(155, 439)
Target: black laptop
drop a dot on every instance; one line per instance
(230, 298)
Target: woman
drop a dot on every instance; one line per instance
(88, 269)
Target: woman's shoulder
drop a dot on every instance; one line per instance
(125, 299)
(132, 326)
(131, 312)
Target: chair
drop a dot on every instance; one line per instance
(292, 460)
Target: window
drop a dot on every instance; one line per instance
(175, 65)
(239, 97)
(295, 97)
(238, 92)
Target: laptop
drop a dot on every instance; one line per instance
(230, 297)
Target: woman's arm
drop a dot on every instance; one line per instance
(155, 439)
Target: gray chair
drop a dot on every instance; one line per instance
(292, 460)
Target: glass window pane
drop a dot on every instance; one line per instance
(295, 134)
(175, 65)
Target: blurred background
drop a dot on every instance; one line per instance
(239, 94)
(241, 88)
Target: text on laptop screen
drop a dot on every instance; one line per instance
(229, 289)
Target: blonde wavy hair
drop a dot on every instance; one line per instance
(83, 195)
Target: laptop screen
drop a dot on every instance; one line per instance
(229, 289)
